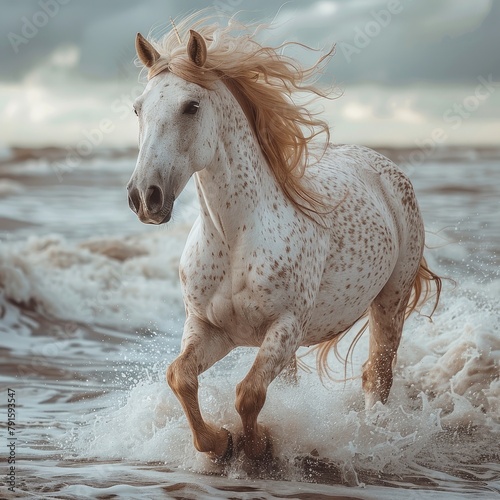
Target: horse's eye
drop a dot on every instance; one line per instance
(191, 108)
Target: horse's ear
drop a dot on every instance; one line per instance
(197, 48)
(145, 51)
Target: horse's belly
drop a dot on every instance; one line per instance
(329, 322)
(344, 297)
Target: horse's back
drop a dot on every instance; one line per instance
(367, 174)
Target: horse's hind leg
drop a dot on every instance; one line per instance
(386, 318)
(203, 345)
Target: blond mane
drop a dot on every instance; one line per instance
(266, 84)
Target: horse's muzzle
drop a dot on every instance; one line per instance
(151, 205)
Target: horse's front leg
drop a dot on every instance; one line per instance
(203, 345)
(276, 352)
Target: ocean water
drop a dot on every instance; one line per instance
(91, 315)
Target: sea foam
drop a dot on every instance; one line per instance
(443, 410)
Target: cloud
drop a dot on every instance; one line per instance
(108, 42)
(447, 18)
(406, 116)
(425, 58)
(426, 40)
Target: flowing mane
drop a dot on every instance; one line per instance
(266, 84)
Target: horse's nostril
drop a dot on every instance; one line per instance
(154, 199)
(134, 201)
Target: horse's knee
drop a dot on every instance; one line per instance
(180, 377)
(172, 375)
(250, 398)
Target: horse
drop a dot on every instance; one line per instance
(292, 245)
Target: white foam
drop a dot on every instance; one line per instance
(130, 282)
(446, 385)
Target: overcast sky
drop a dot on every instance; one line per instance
(63, 60)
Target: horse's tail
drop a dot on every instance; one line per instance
(423, 286)
(426, 285)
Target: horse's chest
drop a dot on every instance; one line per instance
(242, 290)
(233, 307)
(215, 289)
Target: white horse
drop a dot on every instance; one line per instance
(285, 252)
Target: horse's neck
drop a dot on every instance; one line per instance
(236, 189)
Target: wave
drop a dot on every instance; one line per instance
(443, 413)
(16, 156)
(127, 282)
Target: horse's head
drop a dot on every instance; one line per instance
(177, 134)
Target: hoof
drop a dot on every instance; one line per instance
(263, 465)
(228, 454)
(264, 457)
